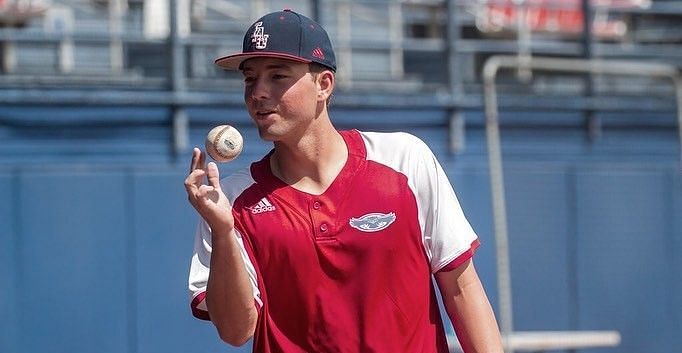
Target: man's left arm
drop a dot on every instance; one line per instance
(469, 309)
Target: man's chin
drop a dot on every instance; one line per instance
(268, 135)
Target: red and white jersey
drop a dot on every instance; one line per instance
(349, 270)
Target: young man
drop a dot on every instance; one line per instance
(329, 243)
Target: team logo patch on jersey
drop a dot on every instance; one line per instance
(262, 206)
(372, 222)
(259, 37)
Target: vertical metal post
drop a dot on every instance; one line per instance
(64, 23)
(116, 11)
(588, 19)
(258, 8)
(677, 81)
(457, 131)
(9, 57)
(395, 32)
(454, 71)
(345, 58)
(523, 35)
(65, 54)
(592, 122)
(177, 50)
(492, 129)
(180, 122)
(315, 11)
(457, 123)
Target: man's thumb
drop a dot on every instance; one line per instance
(213, 175)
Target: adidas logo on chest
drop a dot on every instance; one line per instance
(262, 206)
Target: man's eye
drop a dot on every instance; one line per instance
(278, 76)
(248, 79)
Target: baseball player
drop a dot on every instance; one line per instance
(329, 243)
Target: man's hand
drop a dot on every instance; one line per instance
(209, 200)
(229, 296)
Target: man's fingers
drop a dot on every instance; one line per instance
(208, 192)
(198, 159)
(202, 159)
(197, 191)
(196, 153)
(213, 175)
(194, 179)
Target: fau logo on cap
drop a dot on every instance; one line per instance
(259, 37)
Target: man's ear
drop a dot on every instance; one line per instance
(325, 85)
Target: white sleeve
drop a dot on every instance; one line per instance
(447, 235)
(201, 260)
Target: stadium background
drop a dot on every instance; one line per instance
(101, 101)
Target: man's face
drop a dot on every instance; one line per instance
(281, 97)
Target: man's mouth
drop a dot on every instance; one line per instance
(264, 113)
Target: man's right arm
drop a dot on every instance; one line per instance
(228, 296)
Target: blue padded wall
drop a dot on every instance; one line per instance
(96, 233)
(71, 269)
(9, 313)
(540, 228)
(625, 255)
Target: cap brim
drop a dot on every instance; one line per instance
(233, 62)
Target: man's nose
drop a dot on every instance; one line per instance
(259, 90)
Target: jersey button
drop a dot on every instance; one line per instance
(317, 205)
(323, 227)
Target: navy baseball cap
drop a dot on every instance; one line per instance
(286, 35)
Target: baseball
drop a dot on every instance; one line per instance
(224, 143)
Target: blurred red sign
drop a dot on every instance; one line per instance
(564, 17)
(17, 12)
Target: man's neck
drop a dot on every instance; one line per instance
(312, 163)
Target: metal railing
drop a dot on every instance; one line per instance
(490, 71)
